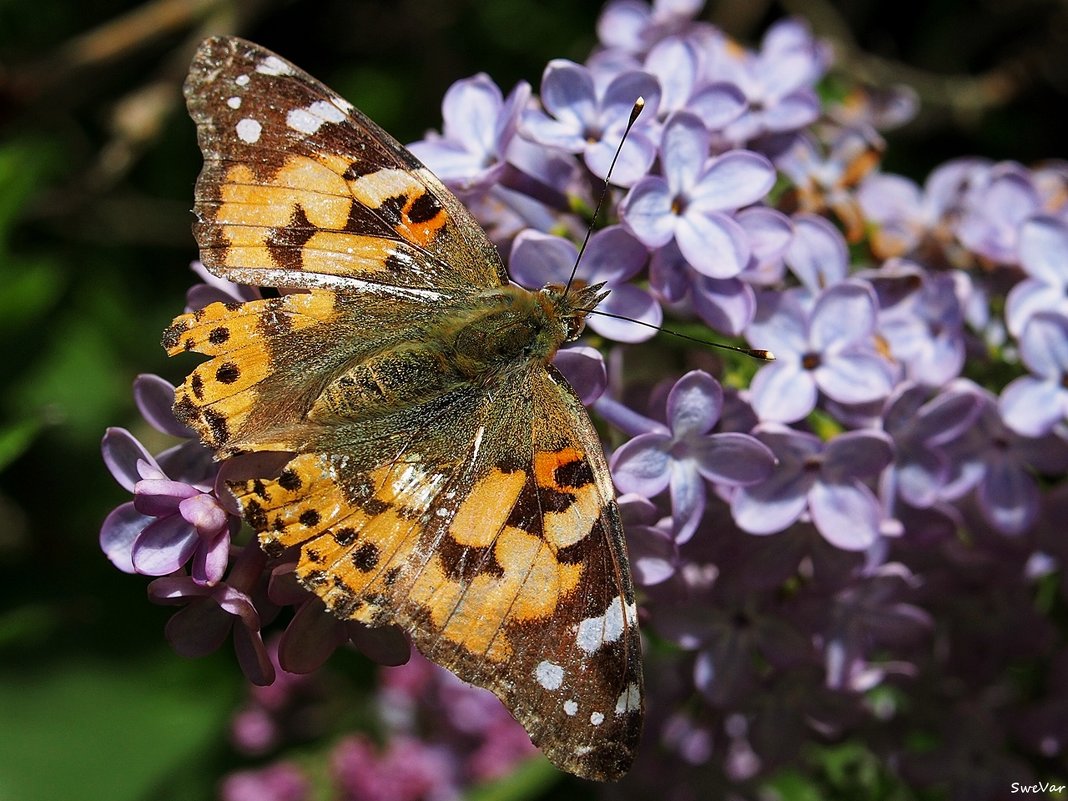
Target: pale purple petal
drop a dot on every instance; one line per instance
(718, 105)
(1044, 346)
(674, 62)
(161, 496)
(844, 313)
(198, 629)
(568, 94)
(857, 453)
(204, 513)
(688, 497)
(583, 368)
(684, 151)
(613, 255)
(621, 94)
(694, 405)
(646, 211)
(122, 452)
(627, 420)
(1032, 407)
(855, 377)
(642, 465)
(783, 392)
(817, 253)
(1044, 250)
(118, 533)
(780, 324)
(154, 398)
(164, 546)
(713, 244)
(538, 259)
(732, 459)
(1008, 497)
(632, 163)
(847, 515)
(470, 111)
(773, 505)
(653, 555)
(634, 303)
(792, 112)
(727, 305)
(211, 558)
(737, 178)
(1028, 298)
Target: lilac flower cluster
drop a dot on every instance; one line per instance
(435, 736)
(859, 542)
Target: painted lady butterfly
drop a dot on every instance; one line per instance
(444, 476)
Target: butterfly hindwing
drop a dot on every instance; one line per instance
(503, 559)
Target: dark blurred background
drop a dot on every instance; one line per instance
(97, 164)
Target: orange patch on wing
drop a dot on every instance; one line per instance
(417, 224)
(530, 586)
(547, 462)
(484, 511)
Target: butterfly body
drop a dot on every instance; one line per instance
(444, 476)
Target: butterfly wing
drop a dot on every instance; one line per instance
(504, 558)
(300, 189)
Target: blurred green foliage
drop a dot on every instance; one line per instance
(97, 164)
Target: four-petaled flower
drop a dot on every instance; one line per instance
(693, 202)
(684, 454)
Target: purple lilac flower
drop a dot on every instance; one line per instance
(777, 82)
(921, 424)
(999, 464)
(826, 181)
(406, 769)
(676, 63)
(1033, 404)
(908, 219)
(1043, 253)
(818, 480)
(633, 26)
(581, 117)
(828, 349)
(168, 524)
(683, 455)
(692, 203)
(997, 201)
(921, 319)
(612, 256)
(817, 254)
(281, 781)
(210, 614)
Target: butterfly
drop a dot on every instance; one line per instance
(443, 475)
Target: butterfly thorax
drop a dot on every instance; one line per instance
(511, 327)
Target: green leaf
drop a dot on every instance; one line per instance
(90, 729)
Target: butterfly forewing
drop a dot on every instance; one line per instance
(469, 503)
(297, 180)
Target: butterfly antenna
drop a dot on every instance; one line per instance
(755, 353)
(639, 104)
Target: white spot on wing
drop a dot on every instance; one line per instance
(570, 707)
(593, 632)
(234, 102)
(273, 65)
(549, 676)
(630, 700)
(309, 120)
(241, 80)
(248, 130)
(596, 718)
